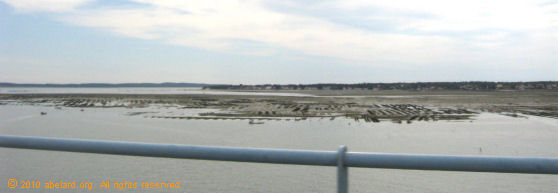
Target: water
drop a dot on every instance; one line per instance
(488, 134)
(135, 90)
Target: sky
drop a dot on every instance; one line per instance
(280, 42)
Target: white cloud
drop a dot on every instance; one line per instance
(216, 25)
(220, 25)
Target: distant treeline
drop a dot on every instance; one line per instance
(399, 86)
(93, 85)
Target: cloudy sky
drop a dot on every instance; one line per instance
(286, 41)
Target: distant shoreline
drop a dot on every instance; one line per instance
(417, 86)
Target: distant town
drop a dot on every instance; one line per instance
(418, 86)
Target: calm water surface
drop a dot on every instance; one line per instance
(488, 134)
(135, 90)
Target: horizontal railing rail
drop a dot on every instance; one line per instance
(341, 158)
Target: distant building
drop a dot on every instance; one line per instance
(499, 86)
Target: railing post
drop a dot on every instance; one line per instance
(342, 171)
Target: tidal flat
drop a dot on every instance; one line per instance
(394, 106)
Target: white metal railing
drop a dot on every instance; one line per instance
(342, 159)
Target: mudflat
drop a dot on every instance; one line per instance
(370, 106)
